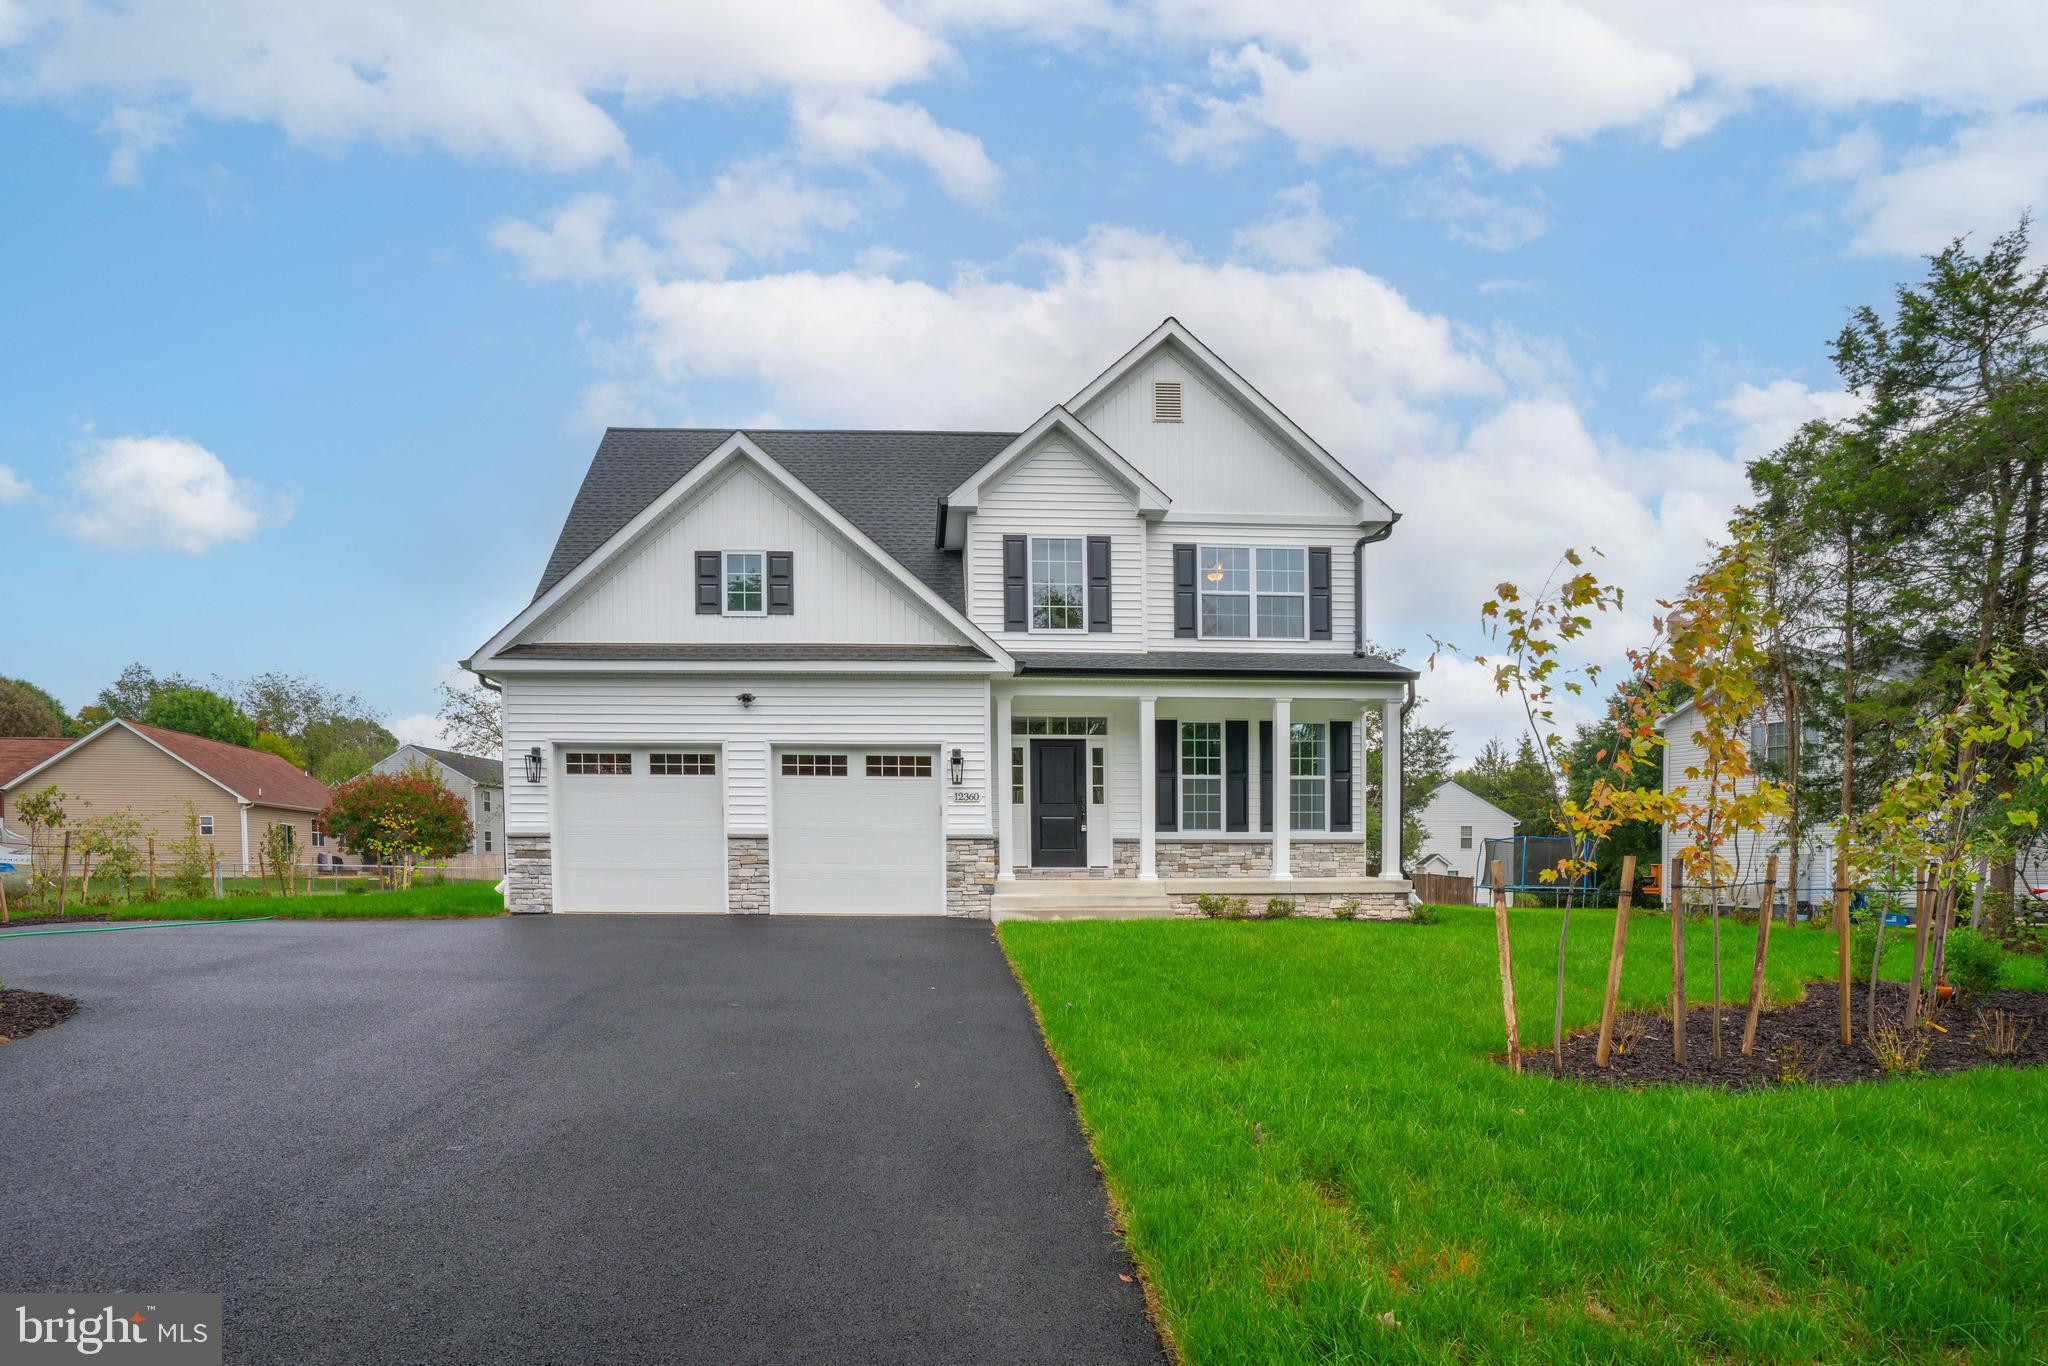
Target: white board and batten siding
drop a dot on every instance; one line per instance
(1053, 491)
(1219, 458)
(1456, 824)
(842, 597)
(558, 712)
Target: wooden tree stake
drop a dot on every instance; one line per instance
(1844, 970)
(1628, 884)
(1507, 973)
(152, 867)
(1923, 905)
(1677, 911)
(3, 900)
(1765, 910)
(64, 875)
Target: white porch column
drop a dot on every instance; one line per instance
(999, 764)
(1148, 789)
(1283, 771)
(1390, 787)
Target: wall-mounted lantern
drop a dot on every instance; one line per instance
(533, 764)
(957, 768)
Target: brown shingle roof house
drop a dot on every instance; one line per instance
(154, 774)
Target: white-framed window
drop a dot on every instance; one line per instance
(1201, 775)
(1059, 583)
(1096, 787)
(1464, 837)
(319, 833)
(1308, 776)
(746, 583)
(206, 825)
(1252, 592)
(600, 763)
(683, 765)
(487, 841)
(814, 765)
(899, 765)
(1017, 775)
(487, 799)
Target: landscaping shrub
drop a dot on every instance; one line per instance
(1346, 909)
(1974, 964)
(1898, 1049)
(1422, 913)
(1280, 907)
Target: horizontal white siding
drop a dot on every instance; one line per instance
(1450, 808)
(1163, 536)
(1054, 492)
(562, 710)
(1220, 458)
(651, 593)
(1748, 854)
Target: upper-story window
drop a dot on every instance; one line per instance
(1058, 583)
(1253, 593)
(746, 593)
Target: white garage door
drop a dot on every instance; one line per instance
(857, 830)
(640, 830)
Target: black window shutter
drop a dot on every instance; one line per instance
(1166, 773)
(781, 583)
(1236, 758)
(1340, 775)
(1265, 775)
(1098, 583)
(1183, 590)
(1016, 616)
(709, 598)
(1319, 592)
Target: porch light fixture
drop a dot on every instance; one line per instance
(956, 768)
(533, 764)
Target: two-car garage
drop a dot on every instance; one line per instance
(852, 830)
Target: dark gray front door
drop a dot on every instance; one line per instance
(1059, 804)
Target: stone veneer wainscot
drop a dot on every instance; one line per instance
(746, 874)
(529, 875)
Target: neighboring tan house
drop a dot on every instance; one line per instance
(152, 773)
(1456, 824)
(917, 672)
(479, 782)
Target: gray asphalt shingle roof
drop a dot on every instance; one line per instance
(489, 772)
(886, 483)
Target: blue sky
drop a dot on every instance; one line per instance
(313, 317)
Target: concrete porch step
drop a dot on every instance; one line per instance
(1079, 899)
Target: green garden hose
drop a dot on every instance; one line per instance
(161, 925)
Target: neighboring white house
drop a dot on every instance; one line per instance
(1456, 824)
(479, 782)
(1748, 856)
(926, 672)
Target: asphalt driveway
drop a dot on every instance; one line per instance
(557, 1139)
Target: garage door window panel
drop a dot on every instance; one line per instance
(814, 766)
(683, 765)
(600, 763)
(899, 765)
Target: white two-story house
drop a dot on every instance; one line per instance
(948, 672)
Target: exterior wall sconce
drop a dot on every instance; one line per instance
(746, 699)
(533, 764)
(956, 768)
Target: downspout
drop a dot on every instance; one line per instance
(1358, 589)
(245, 838)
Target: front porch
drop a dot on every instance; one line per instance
(1136, 796)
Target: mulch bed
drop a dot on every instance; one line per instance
(22, 922)
(1795, 1043)
(24, 1012)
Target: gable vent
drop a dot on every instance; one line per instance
(1166, 400)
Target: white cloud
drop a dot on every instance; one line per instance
(163, 493)
(521, 83)
(1980, 182)
(1480, 220)
(13, 488)
(755, 211)
(1765, 416)
(1851, 156)
(1296, 233)
(1506, 285)
(852, 127)
(136, 132)
(421, 728)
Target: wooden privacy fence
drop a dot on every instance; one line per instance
(1443, 889)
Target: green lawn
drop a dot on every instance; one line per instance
(454, 899)
(1300, 1125)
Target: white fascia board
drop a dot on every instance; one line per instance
(1238, 689)
(1373, 510)
(736, 447)
(1150, 500)
(503, 668)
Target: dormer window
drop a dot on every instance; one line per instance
(745, 586)
(1166, 400)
